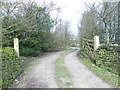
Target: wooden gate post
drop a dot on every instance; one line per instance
(96, 42)
(16, 45)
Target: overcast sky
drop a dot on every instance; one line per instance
(71, 10)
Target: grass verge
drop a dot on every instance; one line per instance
(104, 74)
(62, 74)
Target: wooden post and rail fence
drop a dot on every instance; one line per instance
(102, 55)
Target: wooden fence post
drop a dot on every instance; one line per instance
(16, 45)
(96, 42)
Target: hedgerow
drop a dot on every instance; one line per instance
(11, 66)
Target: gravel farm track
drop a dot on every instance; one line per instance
(42, 75)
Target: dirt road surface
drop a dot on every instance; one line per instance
(42, 75)
(81, 75)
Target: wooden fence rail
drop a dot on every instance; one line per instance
(103, 55)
